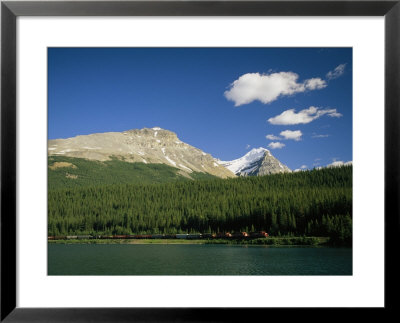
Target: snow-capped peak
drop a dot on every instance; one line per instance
(255, 154)
(244, 162)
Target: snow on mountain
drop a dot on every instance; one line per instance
(257, 161)
(337, 163)
(243, 163)
(157, 145)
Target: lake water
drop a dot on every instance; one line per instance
(125, 259)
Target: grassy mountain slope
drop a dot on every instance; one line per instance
(69, 172)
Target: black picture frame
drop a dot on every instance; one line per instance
(10, 10)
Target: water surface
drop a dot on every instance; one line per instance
(157, 259)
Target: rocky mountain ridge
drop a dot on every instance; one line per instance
(160, 146)
(257, 162)
(147, 145)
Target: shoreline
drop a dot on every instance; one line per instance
(271, 241)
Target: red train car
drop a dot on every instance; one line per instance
(240, 235)
(224, 235)
(259, 234)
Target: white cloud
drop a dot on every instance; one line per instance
(276, 145)
(268, 87)
(248, 146)
(273, 137)
(317, 161)
(286, 135)
(290, 117)
(319, 136)
(292, 135)
(301, 169)
(314, 84)
(337, 72)
(338, 163)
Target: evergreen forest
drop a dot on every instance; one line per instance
(80, 172)
(306, 203)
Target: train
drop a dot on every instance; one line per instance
(220, 235)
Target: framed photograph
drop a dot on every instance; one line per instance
(167, 160)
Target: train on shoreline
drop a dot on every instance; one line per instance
(224, 235)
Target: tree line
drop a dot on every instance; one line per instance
(83, 172)
(309, 203)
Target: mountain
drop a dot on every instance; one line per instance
(256, 162)
(70, 172)
(147, 145)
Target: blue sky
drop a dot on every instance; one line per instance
(296, 102)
